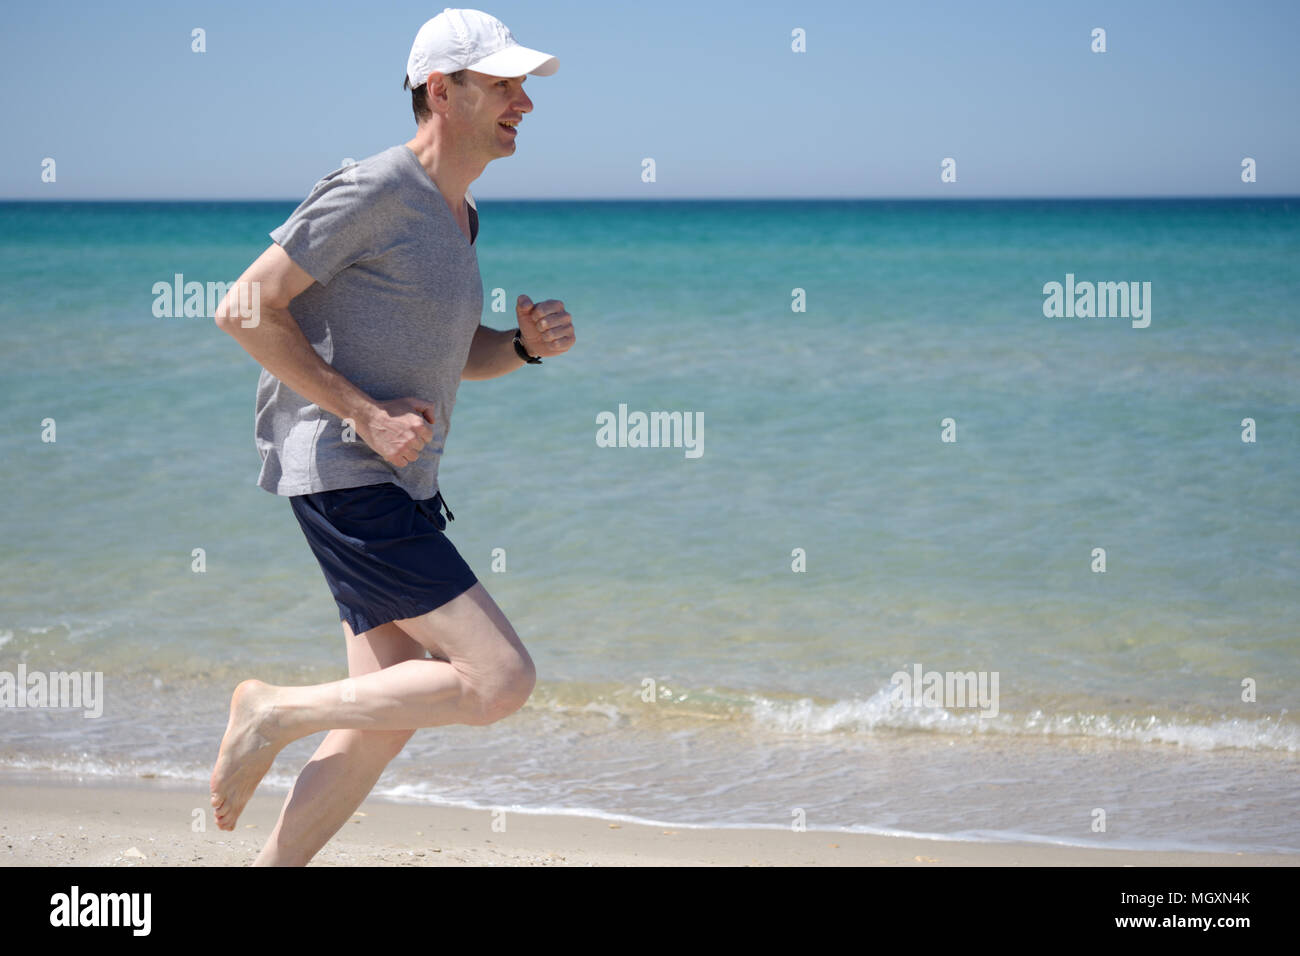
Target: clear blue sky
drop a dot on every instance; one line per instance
(709, 89)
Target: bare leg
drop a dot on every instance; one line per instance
(265, 718)
(347, 764)
(485, 675)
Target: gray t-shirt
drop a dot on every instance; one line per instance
(396, 301)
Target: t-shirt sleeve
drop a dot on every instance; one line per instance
(334, 226)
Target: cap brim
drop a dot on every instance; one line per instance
(516, 61)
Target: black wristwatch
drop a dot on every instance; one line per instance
(523, 352)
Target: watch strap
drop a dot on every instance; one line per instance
(523, 352)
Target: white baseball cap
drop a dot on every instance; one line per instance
(472, 40)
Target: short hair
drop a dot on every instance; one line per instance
(420, 95)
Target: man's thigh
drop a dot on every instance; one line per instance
(472, 633)
(368, 652)
(378, 648)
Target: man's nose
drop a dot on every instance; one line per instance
(524, 103)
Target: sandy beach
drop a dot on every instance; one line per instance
(55, 821)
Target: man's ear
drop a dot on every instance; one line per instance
(435, 86)
(437, 90)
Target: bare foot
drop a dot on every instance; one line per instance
(247, 751)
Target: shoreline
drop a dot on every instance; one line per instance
(58, 820)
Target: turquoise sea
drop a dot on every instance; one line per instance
(687, 673)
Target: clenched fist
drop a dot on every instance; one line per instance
(397, 430)
(545, 328)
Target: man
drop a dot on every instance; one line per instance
(370, 300)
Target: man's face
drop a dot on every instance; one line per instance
(486, 104)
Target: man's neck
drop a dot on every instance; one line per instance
(451, 174)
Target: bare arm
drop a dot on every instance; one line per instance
(544, 327)
(274, 339)
(491, 354)
(397, 430)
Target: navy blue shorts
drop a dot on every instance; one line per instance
(384, 555)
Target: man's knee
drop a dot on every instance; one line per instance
(513, 685)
